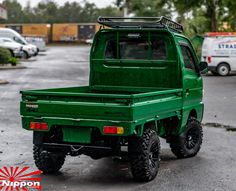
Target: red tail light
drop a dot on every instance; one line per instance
(209, 59)
(38, 126)
(113, 130)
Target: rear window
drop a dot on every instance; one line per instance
(137, 47)
(159, 49)
(133, 49)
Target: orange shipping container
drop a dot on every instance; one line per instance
(98, 26)
(36, 30)
(65, 32)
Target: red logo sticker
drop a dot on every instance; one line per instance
(16, 178)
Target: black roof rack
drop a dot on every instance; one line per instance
(140, 22)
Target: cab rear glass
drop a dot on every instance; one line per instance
(137, 46)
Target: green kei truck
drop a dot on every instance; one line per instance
(145, 83)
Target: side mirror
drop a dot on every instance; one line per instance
(203, 67)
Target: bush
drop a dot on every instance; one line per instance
(5, 56)
(13, 61)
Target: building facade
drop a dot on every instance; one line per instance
(3, 12)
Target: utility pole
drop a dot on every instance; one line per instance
(125, 8)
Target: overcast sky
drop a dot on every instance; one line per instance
(99, 3)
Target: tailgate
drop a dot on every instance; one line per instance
(76, 105)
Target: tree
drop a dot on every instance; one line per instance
(110, 11)
(229, 14)
(89, 13)
(152, 8)
(15, 12)
(46, 12)
(28, 14)
(69, 12)
(212, 10)
(197, 16)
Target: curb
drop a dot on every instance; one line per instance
(2, 82)
(12, 67)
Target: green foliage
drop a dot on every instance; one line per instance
(150, 8)
(197, 16)
(230, 14)
(5, 55)
(14, 10)
(197, 24)
(197, 42)
(13, 61)
(48, 11)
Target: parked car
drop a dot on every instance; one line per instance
(15, 48)
(219, 51)
(28, 49)
(145, 83)
(37, 41)
(89, 41)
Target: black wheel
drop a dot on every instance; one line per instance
(189, 143)
(223, 69)
(12, 53)
(25, 55)
(36, 53)
(48, 162)
(144, 156)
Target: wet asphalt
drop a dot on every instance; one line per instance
(214, 168)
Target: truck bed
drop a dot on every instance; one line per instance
(125, 104)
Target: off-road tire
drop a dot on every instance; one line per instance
(48, 162)
(189, 142)
(144, 156)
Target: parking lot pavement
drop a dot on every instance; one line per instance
(220, 99)
(213, 169)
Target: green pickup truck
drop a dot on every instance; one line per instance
(145, 83)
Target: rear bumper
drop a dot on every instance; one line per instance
(74, 125)
(212, 68)
(75, 149)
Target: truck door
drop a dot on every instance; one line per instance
(192, 81)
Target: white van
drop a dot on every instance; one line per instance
(14, 47)
(219, 51)
(37, 41)
(28, 49)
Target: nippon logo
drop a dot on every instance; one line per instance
(16, 178)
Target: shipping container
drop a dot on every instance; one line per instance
(65, 32)
(86, 31)
(16, 27)
(29, 29)
(59, 32)
(35, 30)
(97, 27)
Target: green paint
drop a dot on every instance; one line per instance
(123, 92)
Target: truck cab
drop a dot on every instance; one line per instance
(145, 83)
